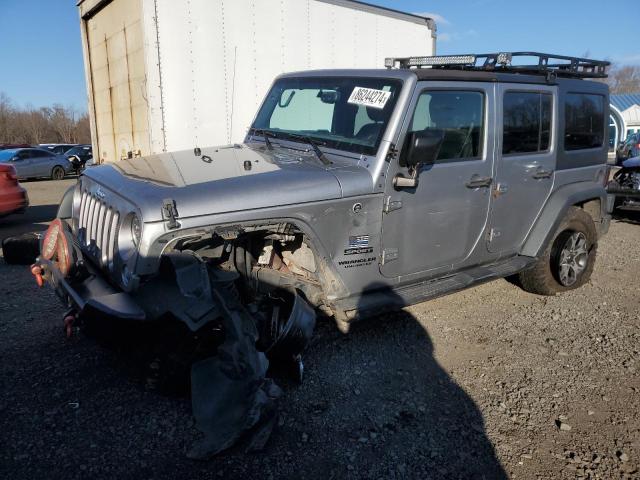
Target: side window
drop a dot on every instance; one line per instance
(302, 110)
(25, 154)
(459, 115)
(526, 122)
(41, 154)
(584, 121)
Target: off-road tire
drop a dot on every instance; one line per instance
(57, 173)
(543, 278)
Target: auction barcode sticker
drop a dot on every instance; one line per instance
(369, 97)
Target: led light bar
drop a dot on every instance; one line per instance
(441, 60)
(504, 58)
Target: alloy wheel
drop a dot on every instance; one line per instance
(573, 259)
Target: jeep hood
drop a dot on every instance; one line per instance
(227, 179)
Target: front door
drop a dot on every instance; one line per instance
(437, 225)
(24, 164)
(525, 162)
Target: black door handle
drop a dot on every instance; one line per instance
(479, 182)
(541, 173)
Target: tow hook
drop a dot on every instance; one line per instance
(69, 319)
(36, 271)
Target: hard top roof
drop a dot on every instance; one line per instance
(425, 74)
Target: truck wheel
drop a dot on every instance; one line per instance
(57, 173)
(568, 261)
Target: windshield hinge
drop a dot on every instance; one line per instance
(391, 205)
(170, 213)
(392, 154)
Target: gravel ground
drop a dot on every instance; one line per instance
(488, 383)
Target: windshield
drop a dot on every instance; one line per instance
(6, 155)
(343, 113)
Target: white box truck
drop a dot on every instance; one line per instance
(166, 75)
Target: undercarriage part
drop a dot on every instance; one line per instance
(21, 249)
(287, 326)
(229, 391)
(626, 182)
(231, 396)
(186, 285)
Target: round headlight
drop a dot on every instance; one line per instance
(136, 230)
(129, 235)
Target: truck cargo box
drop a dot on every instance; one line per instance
(166, 75)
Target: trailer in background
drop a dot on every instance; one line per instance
(166, 75)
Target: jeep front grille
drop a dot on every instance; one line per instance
(97, 229)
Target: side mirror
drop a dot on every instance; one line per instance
(423, 146)
(15, 159)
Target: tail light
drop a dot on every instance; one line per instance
(10, 175)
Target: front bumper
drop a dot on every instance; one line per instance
(90, 294)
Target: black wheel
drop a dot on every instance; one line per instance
(568, 261)
(57, 173)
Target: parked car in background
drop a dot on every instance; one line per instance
(625, 185)
(57, 148)
(80, 156)
(13, 198)
(628, 149)
(36, 163)
(5, 146)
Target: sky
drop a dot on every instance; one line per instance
(41, 54)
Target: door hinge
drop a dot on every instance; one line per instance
(500, 189)
(493, 234)
(170, 213)
(389, 255)
(391, 205)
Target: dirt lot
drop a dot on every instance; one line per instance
(489, 383)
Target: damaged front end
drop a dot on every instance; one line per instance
(625, 185)
(244, 298)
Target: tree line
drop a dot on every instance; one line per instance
(624, 79)
(54, 124)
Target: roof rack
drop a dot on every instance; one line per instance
(548, 64)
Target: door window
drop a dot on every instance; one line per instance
(584, 120)
(459, 115)
(41, 154)
(526, 122)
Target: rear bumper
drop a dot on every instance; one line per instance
(622, 192)
(91, 294)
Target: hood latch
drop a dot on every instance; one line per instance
(170, 213)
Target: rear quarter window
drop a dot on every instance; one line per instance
(584, 121)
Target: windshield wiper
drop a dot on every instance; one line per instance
(314, 144)
(265, 134)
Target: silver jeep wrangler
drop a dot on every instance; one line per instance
(354, 192)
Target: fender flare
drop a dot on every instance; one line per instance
(65, 209)
(556, 209)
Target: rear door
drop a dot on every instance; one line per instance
(43, 163)
(526, 152)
